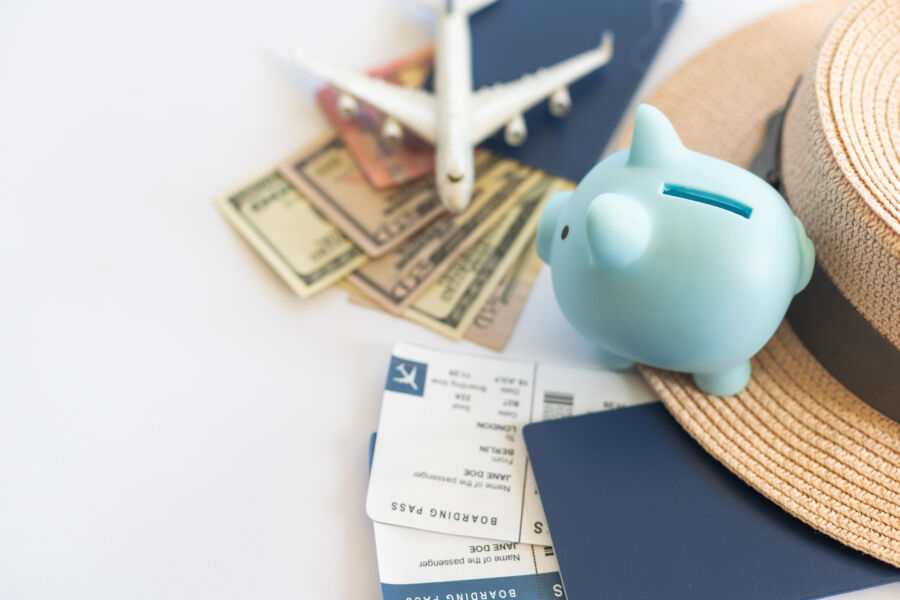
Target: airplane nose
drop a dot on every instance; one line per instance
(454, 202)
(453, 190)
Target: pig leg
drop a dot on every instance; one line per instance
(612, 361)
(726, 382)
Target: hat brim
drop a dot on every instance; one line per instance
(794, 434)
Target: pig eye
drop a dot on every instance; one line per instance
(565, 232)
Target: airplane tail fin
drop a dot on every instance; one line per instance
(469, 6)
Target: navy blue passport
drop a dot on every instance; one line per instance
(637, 509)
(513, 37)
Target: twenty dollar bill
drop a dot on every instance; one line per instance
(398, 278)
(495, 321)
(452, 303)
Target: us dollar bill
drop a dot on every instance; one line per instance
(302, 246)
(452, 302)
(396, 279)
(497, 318)
(376, 220)
(494, 323)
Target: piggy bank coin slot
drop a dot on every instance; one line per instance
(680, 191)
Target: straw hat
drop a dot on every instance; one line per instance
(816, 430)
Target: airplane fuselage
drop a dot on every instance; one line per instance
(455, 118)
(454, 163)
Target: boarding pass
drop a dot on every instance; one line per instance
(421, 565)
(451, 457)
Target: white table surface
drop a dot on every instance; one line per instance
(174, 422)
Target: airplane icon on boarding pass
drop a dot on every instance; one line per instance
(406, 376)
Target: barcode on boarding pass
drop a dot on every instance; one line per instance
(558, 404)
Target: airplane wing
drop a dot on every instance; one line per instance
(496, 105)
(414, 108)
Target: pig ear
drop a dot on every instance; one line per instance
(654, 141)
(618, 231)
(547, 225)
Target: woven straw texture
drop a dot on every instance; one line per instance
(795, 434)
(840, 164)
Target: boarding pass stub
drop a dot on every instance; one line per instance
(414, 564)
(451, 457)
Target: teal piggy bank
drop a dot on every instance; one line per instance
(674, 259)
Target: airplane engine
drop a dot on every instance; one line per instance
(560, 103)
(347, 106)
(391, 132)
(515, 132)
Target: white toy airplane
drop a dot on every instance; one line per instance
(455, 118)
(407, 378)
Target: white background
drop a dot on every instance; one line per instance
(174, 423)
